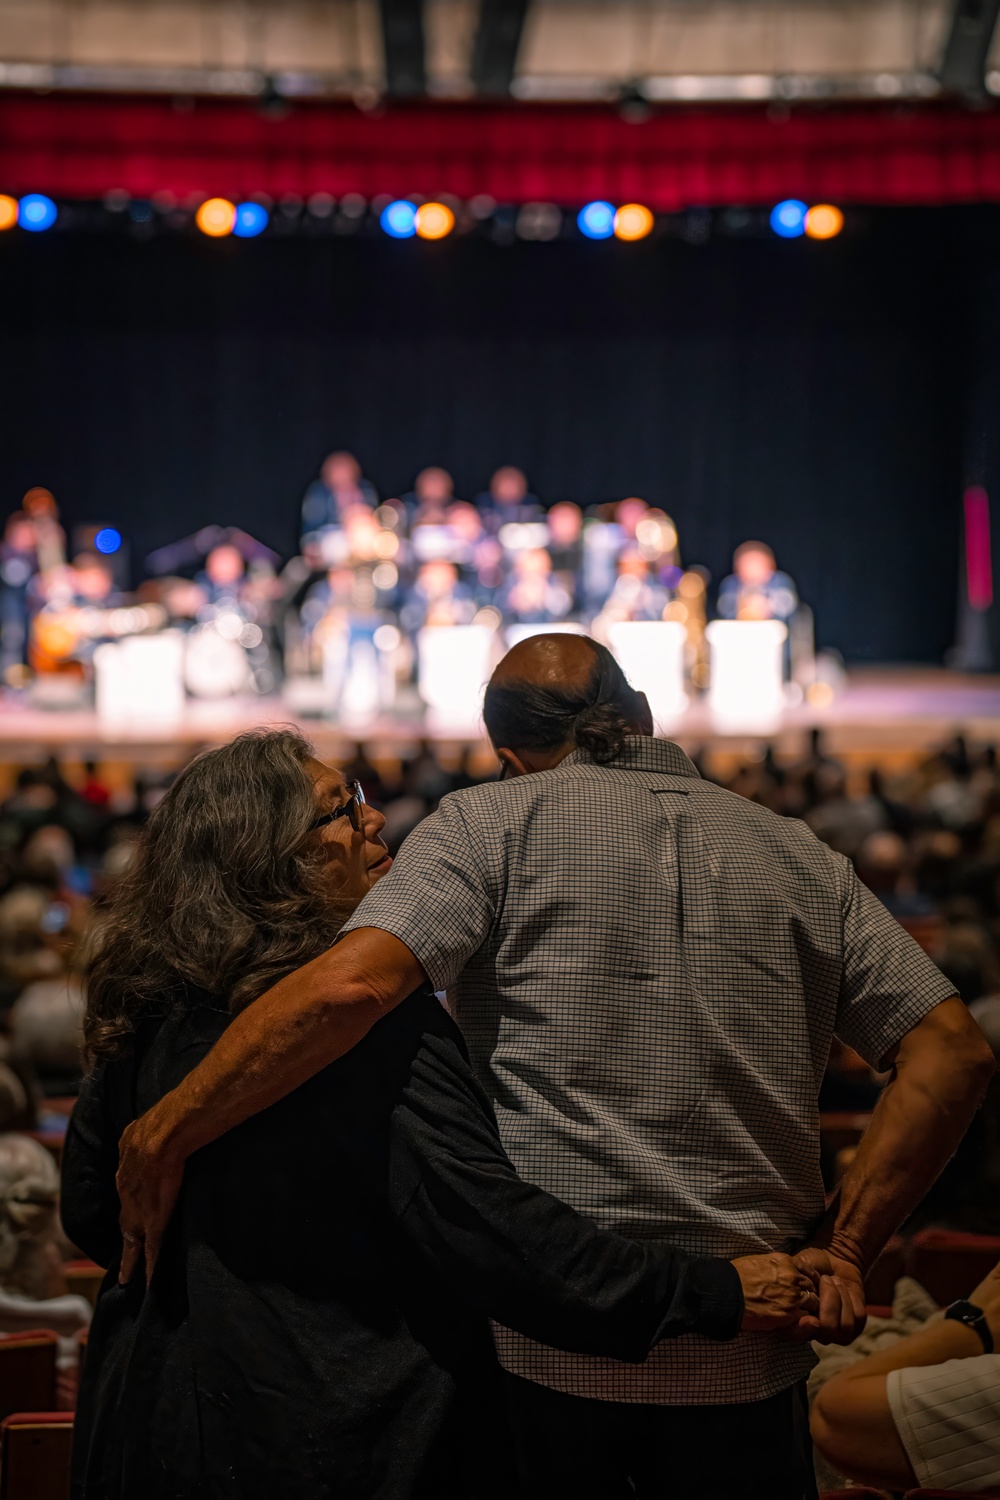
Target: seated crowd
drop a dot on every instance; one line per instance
(924, 1407)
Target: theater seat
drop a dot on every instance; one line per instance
(949, 1264)
(880, 1283)
(27, 1371)
(948, 1494)
(84, 1277)
(35, 1450)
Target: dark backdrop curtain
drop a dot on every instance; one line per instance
(813, 395)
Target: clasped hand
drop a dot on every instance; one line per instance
(812, 1295)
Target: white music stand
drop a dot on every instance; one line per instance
(453, 666)
(141, 678)
(747, 683)
(651, 654)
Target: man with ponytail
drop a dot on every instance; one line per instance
(649, 973)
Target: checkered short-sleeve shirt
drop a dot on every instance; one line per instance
(648, 971)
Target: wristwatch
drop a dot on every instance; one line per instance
(973, 1317)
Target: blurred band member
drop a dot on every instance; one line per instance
(533, 596)
(507, 499)
(18, 566)
(639, 593)
(223, 578)
(50, 539)
(339, 488)
(428, 502)
(755, 590)
(437, 598)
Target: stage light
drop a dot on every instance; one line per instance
(36, 212)
(399, 219)
(8, 211)
(824, 221)
(216, 217)
(597, 220)
(788, 219)
(250, 220)
(108, 540)
(633, 222)
(434, 220)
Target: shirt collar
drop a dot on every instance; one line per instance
(642, 753)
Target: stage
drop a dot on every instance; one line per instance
(885, 715)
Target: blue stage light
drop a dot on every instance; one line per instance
(108, 540)
(597, 220)
(788, 219)
(399, 219)
(251, 219)
(36, 212)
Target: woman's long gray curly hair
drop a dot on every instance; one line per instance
(226, 893)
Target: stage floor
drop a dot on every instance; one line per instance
(883, 713)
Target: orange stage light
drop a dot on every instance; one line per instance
(633, 222)
(8, 211)
(216, 217)
(434, 221)
(824, 221)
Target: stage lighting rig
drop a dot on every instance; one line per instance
(250, 220)
(824, 222)
(216, 217)
(36, 212)
(788, 218)
(633, 221)
(596, 221)
(399, 219)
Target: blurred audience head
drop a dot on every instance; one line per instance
(29, 1214)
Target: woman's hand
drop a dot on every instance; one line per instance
(776, 1292)
(149, 1180)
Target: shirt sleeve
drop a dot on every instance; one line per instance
(514, 1252)
(436, 898)
(947, 1419)
(888, 984)
(88, 1203)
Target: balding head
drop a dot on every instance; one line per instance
(555, 693)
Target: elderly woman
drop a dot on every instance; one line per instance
(33, 1290)
(316, 1324)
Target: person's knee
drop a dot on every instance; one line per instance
(830, 1431)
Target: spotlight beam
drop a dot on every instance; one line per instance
(963, 61)
(403, 45)
(494, 51)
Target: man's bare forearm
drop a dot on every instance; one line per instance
(941, 1071)
(299, 1026)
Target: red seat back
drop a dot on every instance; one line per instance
(949, 1264)
(27, 1371)
(880, 1283)
(35, 1450)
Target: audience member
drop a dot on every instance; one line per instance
(924, 1411)
(33, 1290)
(707, 1105)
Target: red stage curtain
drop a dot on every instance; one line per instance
(83, 146)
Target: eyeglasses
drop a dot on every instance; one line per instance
(352, 810)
